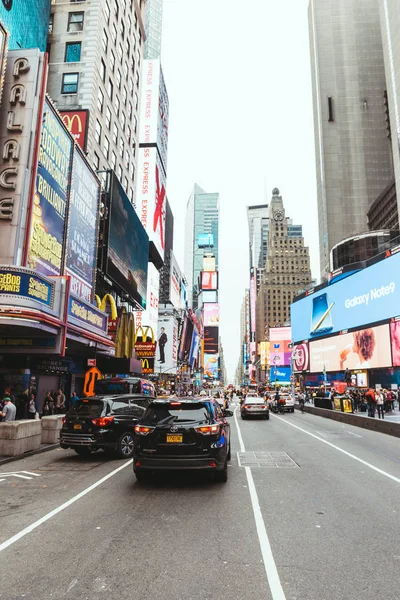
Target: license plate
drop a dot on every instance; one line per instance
(77, 426)
(174, 439)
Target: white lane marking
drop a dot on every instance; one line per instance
(15, 475)
(351, 433)
(269, 563)
(360, 460)
(57, 510)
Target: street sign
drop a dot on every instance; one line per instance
(91, 376)
(91, 362)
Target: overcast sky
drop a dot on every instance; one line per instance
(239, 85)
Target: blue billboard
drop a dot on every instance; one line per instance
(368, 296)
(279, 375)
(205, 240)
(27, 22)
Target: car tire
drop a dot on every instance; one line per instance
(243, 417)
(124, 446)
(222, 476)
(83, 451)
(267, 417)
(293, 410)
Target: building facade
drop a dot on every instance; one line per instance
(27, 23)
(257, 218)
(202, 217)
(353, 152)
(287, 270)
(153, 28)
(96, 50)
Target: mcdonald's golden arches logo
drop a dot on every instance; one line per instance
(145, 349)
(76, 121)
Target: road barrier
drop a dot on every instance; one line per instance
(51, 427)
(18, 437)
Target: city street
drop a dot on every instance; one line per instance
(329, 515)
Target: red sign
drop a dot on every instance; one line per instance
(145, 349)
(209, 280)
(91, 362)
(77, 121)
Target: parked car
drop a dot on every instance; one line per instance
(105, 422)
(254, 406)
(183, 434)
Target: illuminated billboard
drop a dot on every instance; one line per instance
(167, 345)
(210, 366)
(77, 123)
(149, 317)
(210, 297)
(367, 296)
(363, 349)
(205, 240)
(280, 353)
(301, 357)
(27, 21)
(211, 340)
(50, 202)
(209, 280)
(209, 262)
(279, 374)
(211, 315)
(395, 340)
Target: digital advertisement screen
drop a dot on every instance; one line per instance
(395, 340)
(211, 315)
(211, 340)
(209, 297)
(175, 283)
(128, 246)
(370, 295)
(364, 349)
(205, 240)
(301, 357)
(211, 366)
(209, 280)
(280, 353)
(194, 348)
(77, 122)
(50, 202)
(81, 247)
(280, 374)
(167, 345)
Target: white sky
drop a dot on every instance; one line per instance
(239, 85)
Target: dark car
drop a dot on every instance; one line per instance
(105, 422)
(183, 434)
(254, 406)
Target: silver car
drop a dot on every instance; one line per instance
(254, 406)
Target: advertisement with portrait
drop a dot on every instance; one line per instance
(175, 283)
(128, 246)
(367, 296)
(210, 366)
(301, 357)
(77, 123)
(183, 294)
(149, 317)
(209, 280)
(211, 315)
(83, 224)
(395, 341)
(151, 196)
(194, 348)
(211, 340)
(167, 345)
(50, 203)
(363, 349)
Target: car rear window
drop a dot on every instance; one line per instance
(92, 408)
(254, 401)
(184, 413)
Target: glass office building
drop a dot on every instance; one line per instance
(153, 27)
(27, 22)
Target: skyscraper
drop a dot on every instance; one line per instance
(202, 217)
(287, 270)
(353, 154)
(153, 27)
(257, 218)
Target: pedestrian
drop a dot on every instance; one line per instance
(380, 404)
(356, 399)
(9, 410)
(60, 401)
(52, 404)
(74, 400)
(32, 408)
(390, 400)
(371, 400)
(46, 406)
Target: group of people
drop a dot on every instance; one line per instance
(377, 400)
(25, 406)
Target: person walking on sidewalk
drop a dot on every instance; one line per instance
(371, 400)
(380, 404)
(9, 411)
(32, 408)
(60, 402)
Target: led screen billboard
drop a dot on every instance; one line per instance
(128, 246)
(395, 341)
(211, 340)
(368, 296)
(194, 348)
(27, 21)
(186, 340)
(279, 374)
(363, 349)
(77, 123)
(210, 366)
(210, 297)
(81, 246)
(280, 353)
(211, 315)
(50, 202)
(205, 240)
(252, 301)
(301, 357)
(209, 280)
(149, 317)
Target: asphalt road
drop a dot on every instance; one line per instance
(320, 522)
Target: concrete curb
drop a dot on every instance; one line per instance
(379, 425)
(8, 459)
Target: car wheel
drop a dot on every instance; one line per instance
(293, 410)
(243, 417)
(83, 451)
(267, 416)
(124, 447)
(222, 476)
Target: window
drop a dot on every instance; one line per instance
(122, 121)
(113, 160)
(108, 118)
(119, 79)
(129, 110)
(72, 52)
(135, 124)
(114, 34)
(128, 134)
(137, 78)
(119, 172)
(133, 65)
(129, 24)
(70, 83)
(122, 29)
(130, 195)
(75, 21)
(124, 96)
(121, 147)
(130, 85)
(126, 158)
(126, 184)
(120, 52)
(100, 100)
(112, 61)
(103, 70)
(126, 69)
(115, 134)
(106, 146)
(107, 11)
(116, 10)
(116, 105)
(96, 162)
(51, 23)
(104, 42)
(132, 171)
(97, 133)
(128, 48)
(110, 89)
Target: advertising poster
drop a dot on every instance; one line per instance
(128, 246)
(167, 345)
(205, 240)
(211, 315)
(247, 306)
(364, 349)
(264, 352)
(395, 341)
(209, 297)
(175, 283)
(81, 247)
(368, 296)
(149, 317)
(252, 301)
(50, 202)
(301, 357)
(77, 122)
(209, 263)
(279, 374)
(211, 340)
(210, 366)
(209, 280)
(194, 348)
(280, 338)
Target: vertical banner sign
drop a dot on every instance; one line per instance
(149, 317)
(47, 236)
(252, 302)
(81, 246)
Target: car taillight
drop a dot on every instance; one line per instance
(207, 429)
(102, 421)
(263, 406)
(175, 403)
(246, 406)
(63, 420)
(141, 430)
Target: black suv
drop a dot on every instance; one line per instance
(103, 422)
(183, 434)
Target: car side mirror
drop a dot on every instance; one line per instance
(228, 413)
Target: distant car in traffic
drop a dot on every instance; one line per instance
(289, 402)
(254, 406)
(103, 422)
(183, 434)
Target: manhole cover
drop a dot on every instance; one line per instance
(275, 460)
